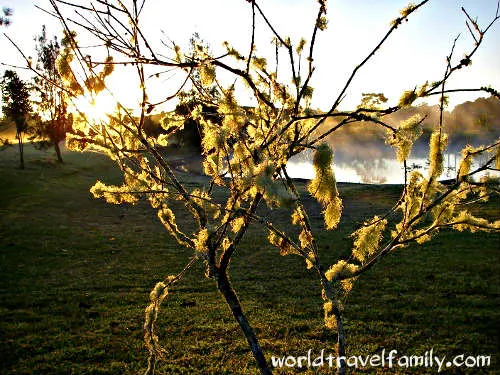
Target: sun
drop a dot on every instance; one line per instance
(96, 109)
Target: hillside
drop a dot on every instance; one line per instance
(474, 123)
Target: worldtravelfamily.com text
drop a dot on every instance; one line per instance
(386, 359)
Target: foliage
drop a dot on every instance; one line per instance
(5, 18)
(372, 101)
(54, 120)
(16, 106)
(203, 92)
(245, 159)
(15, 98)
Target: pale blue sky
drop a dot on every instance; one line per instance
(414, 54)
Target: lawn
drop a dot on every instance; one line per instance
(75, 276)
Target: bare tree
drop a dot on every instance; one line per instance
(246, 155)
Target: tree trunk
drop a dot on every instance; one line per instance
(231, 298)
(21, 148)
(341, 344)
(58, 152)
(341, 370)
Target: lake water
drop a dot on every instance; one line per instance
(376, 170)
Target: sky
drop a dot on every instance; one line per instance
(414, 54)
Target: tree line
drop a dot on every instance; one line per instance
(38, 108)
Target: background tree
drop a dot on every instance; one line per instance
(206, 96)
(245, 161)
(16, 107)
(5, 17)
(4, 142)
(54, 120)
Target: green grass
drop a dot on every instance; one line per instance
(75, 275)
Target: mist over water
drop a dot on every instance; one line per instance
(361, 154)
(377, 164)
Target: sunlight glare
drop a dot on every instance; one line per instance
(96, 108)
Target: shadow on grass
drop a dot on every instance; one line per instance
(75, 275)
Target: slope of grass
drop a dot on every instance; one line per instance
(75, 274)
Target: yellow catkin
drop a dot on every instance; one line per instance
(340, 269)
(297, 216)
(466, 162)
(167, 218)
(423, 238)
(466, 221)
(305, 238)
(438, 144)
(407, 10)
(324, 186)
(113, 194)
(367, 238)
(301, 45)
(108, 67)
(329, 317)
(237, 223)
(157, 295)
(200, 242)
(207, 74)
(333, 213)
(409, 131)
(407, 98)
(283, 244)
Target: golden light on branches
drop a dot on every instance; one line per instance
(245, 152)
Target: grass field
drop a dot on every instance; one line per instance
(75, 275)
